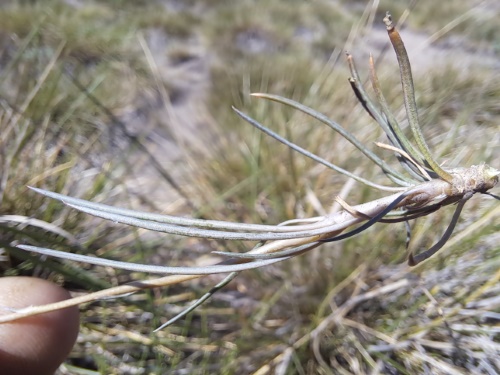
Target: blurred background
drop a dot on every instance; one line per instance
(129, 103)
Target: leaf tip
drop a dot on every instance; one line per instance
(388, 21)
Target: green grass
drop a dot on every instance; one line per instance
(63, 141)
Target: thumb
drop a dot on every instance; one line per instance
(37, 344)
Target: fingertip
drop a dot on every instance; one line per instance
(40, 343)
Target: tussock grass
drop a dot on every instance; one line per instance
(352, 307)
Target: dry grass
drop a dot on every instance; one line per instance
(352, 307)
